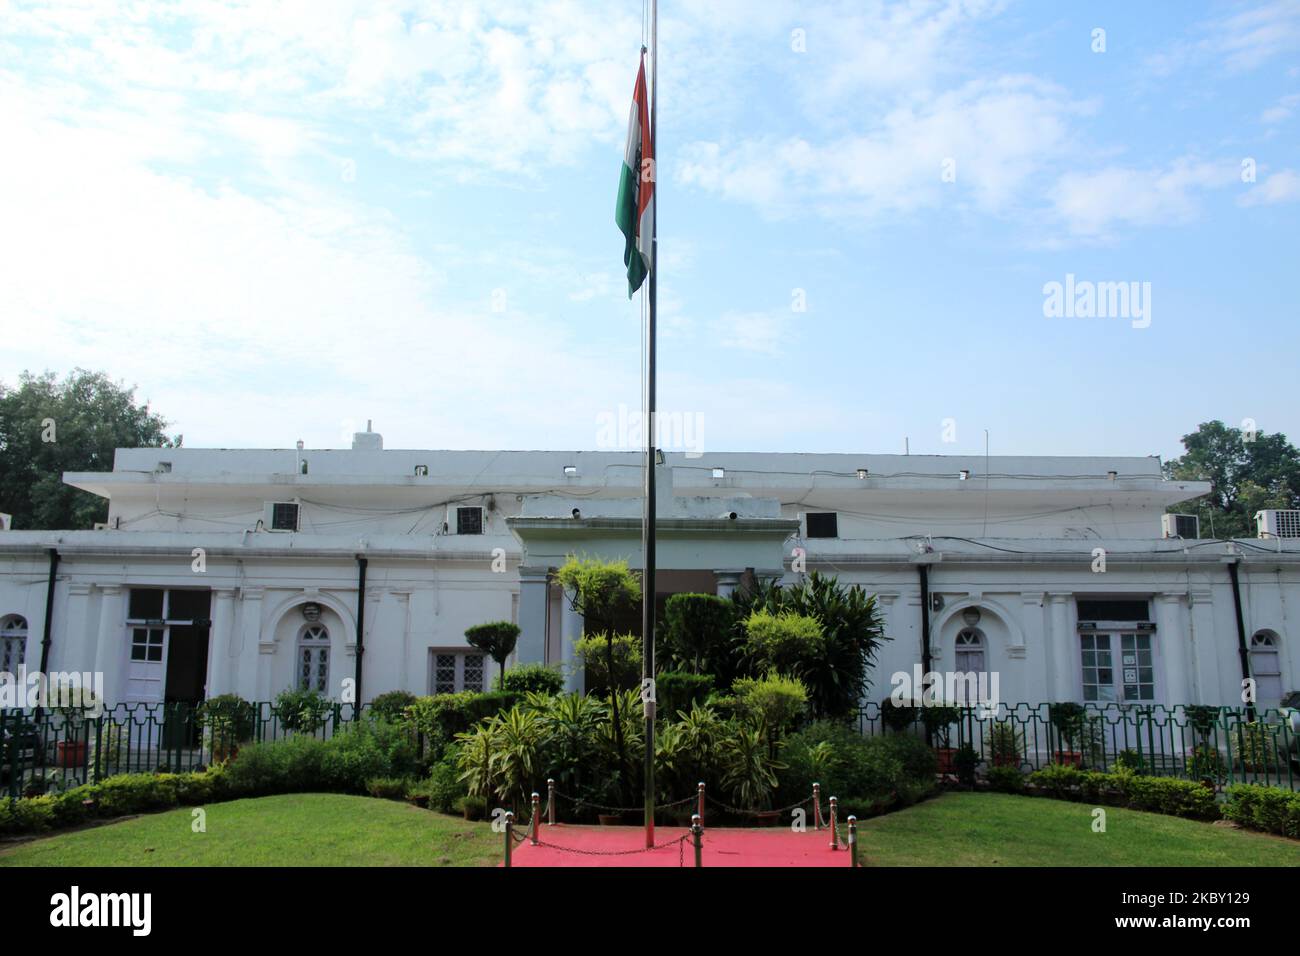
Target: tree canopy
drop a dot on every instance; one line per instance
(48, 426)
(1250, 472)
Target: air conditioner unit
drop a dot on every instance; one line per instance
(1277, 524)
(6, 522)
(1180, 526)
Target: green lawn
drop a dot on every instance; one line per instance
(990, 829)
(313, 829)
(959, 829)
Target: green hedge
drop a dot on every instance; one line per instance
(1270, 809)
(866, 774)
(1169, 795)
(441, 717)
(531, 679)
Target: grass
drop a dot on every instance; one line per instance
(990, 829)
(314, 829)
(958, 829)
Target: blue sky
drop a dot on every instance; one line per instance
(279, 220)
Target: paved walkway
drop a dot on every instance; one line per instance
(569, 845)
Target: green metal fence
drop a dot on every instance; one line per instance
(1220, 744)
(53, 749)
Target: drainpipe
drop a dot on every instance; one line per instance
(1243, 651)
(925, 617)
(49, 609)
(361, 621)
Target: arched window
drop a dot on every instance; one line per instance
(314, 658)
(13, 643)
(1266, 667)
(970, 660)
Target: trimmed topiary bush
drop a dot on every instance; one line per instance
(532, 679)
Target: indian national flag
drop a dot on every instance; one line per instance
(635, 213)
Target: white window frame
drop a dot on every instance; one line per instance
(1265, 643)
(460, 654)
(1115, 635)
(268, 515)
(313, 639)
(13, 642)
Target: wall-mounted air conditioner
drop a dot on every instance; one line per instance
(1277, 524)
(1180, 526)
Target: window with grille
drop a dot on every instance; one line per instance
(451, 671)
(469, 520)
(284, 516)
(314, 658)
(822, 524)
(13, 643)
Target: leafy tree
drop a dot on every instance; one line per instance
(1248, 476)
(600, 591)
(497, 639)
(48, 427)
(836, 670)
(697, 634)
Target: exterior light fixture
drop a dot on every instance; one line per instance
(576, 514)
(311, 612)
(570, 470)
(862, 473)
(659, 456)
(964, 474)
(719, 473)
(1112, 475)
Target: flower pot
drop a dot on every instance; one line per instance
(768, 818)
(945, 755)
(609, 819)
(1070, 758)
(222, 754)
(71, 753)
(1006, 760)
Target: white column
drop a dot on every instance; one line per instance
(1172, 641)
(1063, 661)
(110, 644)
(253, 677)
(532, 616)
(570, 631)
(221, 654)
(74, 647)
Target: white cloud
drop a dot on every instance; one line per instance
(1281, 187)
(1281, 111)
(1241, 41)
(1093, 204)
(999, 135)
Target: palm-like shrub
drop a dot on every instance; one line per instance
(748, 769)
(837, 668)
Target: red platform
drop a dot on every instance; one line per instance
(721, 847)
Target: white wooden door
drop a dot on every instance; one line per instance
(146, 670)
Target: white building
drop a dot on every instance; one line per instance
(238, 570)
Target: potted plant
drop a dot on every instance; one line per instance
(938, 720)
(1004, 744)
(1068, 718)
(302, 711)
(897, 717)
(227, 721)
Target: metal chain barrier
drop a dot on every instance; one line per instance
(757, 813)
(579, 801)
(680, 841)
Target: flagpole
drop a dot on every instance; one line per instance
(648, 526)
